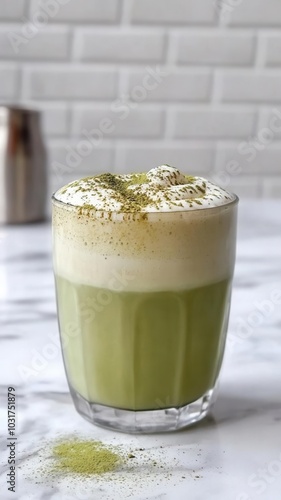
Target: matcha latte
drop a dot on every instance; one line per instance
(143, 266)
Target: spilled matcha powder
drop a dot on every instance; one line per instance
(75, 466)
(85, 457)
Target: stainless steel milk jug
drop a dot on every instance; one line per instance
(23, 169)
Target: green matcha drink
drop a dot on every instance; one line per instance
(143, 266)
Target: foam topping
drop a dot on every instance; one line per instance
(162, 189)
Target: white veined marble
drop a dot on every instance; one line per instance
(233, 455)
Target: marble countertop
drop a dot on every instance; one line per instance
(235, 454)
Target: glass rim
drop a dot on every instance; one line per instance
(73, 208)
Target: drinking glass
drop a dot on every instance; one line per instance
(143, 304)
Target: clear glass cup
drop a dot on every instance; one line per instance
(143, 306)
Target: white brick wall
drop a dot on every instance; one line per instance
(213, 47)
(192, 154)
(178, 85)
(273, 50)
(114, 46)
(55, 119)
(12, 9)
(70, 82)
(255, 12)
(43, 47)
(249, 86)
(193, 83)
(9, 76)
(272, 187)
(94, 162)
(83, 11)
(268, 117)
(173, 11)
(145, 122)
(212, 123)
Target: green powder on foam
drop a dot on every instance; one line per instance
(85, 457)
(131, 201)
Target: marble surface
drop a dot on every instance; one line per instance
(235, 454)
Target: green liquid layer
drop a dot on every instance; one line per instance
(142, 351)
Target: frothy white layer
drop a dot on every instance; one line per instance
(169, 251)
(162, 189)
(139, 275)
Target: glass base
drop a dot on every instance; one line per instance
(148, 421)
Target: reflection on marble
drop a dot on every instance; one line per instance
(233, 455)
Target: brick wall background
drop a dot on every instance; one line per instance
(125, 85)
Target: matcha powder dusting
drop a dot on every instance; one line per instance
(85, 457)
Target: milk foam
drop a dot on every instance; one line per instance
(172, 249)
(165, 188)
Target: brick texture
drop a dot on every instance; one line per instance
(86, 11)
(12, 10)
(110, 45)
(269, 124)
(192, 83)
(8, 82)
(255, 13)
(272, 187)
(216, 48)
(43, 46)
(176, 11)
(55, 119)
(175, 85)
(252, 157)
(66, 158)
(273, 50)
(218, 123)
(236, 160)
(70, 83)
(251, 87)
(123, 122)
(186, 156)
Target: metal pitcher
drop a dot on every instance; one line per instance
(23, 166)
